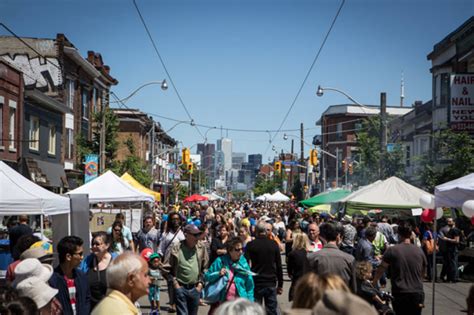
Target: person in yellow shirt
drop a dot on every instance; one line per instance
(128, 280)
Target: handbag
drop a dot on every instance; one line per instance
(212, 291)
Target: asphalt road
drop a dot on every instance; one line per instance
(450, 298)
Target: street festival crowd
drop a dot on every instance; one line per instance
(229, 256)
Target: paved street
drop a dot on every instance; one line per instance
(450, 298)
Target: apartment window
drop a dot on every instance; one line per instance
(52, 140)
(70, 93)
(94, 100)
(1, 121)
(69, 143)
(444, 89)
(12, 125)
(339, 131)
(34, 133)
(407, 155)
(85, 103)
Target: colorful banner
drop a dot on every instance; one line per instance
(92, 167)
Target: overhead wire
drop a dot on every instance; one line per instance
(165, 68)
(307, 74)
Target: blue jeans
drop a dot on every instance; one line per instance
(187, 301)
(269, 296)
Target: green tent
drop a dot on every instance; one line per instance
(325, 198)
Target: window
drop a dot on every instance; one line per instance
(12, 125)
(407, 155)
(52, 140)
(69, 143)
(339, 131)
(70, 93)
(85, 103)
(34, 133)
(444, 89)
(94, 100)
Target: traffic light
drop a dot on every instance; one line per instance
(351, 171)
(186, 157)
(277, 166)
(190, 166)
(344, 166)
(313, 157)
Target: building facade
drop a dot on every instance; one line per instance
(55, 68)
(11, 112)
(339, 125)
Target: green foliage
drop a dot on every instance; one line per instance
(85, 147)
(265, 185)
(133, 165)
(369, 155)
(297, 189)
(452, 157)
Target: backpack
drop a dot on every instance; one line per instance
(430, 245)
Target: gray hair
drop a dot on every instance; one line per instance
(240, 306)
(261, 227)
(122, 266)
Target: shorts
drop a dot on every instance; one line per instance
(154, 293)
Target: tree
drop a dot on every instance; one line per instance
(85, 147)
(452, 157)
(297, 189)
(367, 170)
(133, 165)
(264, 185)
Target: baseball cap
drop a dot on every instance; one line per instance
(192, 229)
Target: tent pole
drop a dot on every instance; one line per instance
(41, 226)
(433, 271)
(69, 223)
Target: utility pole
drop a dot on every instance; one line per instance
(302, 154)
(383, 130)
(291, 166)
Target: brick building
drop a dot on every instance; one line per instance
(339, 124)
(11, 108)
(55, 68)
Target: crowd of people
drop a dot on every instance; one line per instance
(230, 255)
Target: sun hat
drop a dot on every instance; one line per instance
(32, 267)
(39, 253)
(36, 289)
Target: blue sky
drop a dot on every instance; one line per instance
(240, 64)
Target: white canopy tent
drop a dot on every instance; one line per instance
(455, 193)
(392, 193)
(110, 188)
(213, 196)
(19, 195)
(263, 197)
(279, 197)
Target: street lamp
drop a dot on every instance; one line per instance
(320, 92)
(205, 134)
(163, 84)
(383, 122)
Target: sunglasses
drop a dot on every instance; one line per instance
(79, 254)
(237, 249)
